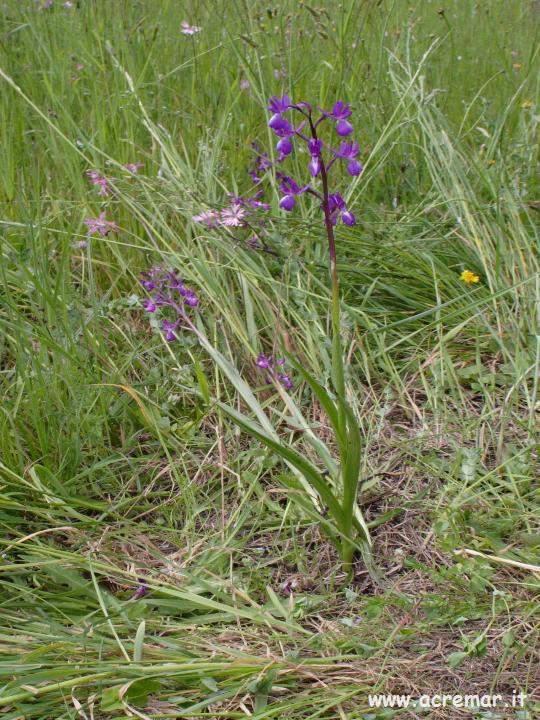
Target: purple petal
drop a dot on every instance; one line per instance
(354, 168)
(278, 104)
(287, 202)
(348, 218)
(315, 166)
(263, 361)
(341, 110)
(344, 128)
(285, 146)
(315, 147)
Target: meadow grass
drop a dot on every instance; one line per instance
(116, 471)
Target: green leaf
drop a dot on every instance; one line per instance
(203, 382)
(456, 658)
(308, 471)
(322, 396)
(139, 642)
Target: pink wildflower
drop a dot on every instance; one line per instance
(99, 180)
(100, 225)
(188, 29)
(233, 216)
(210, 218)
(133, 168)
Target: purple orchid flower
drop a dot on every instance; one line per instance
(290, 189)
(315, 147)
(348, 150)
(340, 112)
(266, 362)
(167, 290)
(338, 208)
(140, 592)
(169, 328)
(278, 105)
(263, 361)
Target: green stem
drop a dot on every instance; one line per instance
(338, 372)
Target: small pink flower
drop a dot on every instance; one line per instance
(233, 216)
(210, 218)
(100, 225)
(68, 4)
(99, 180)
(46, 5)
(244, 84)
(133, 168)
(188, 29)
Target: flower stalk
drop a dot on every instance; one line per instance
(333, 207)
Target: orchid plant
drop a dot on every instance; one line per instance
(323, 157)
(328, 494)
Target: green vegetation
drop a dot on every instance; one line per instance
(119, 470)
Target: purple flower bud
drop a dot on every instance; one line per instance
(348, 218)
(263, 362)
(149, 306)
(140, 592)
(344, 128)
(315, 166)
(354, 168)
(190, 298)
(285, 146)
(287, 202)
(286, 381)
(168, 329)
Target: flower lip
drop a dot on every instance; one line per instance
(315, 166)
(355, 168)
(285, 146)
(287, 202)
(280, 125)
(344, 128)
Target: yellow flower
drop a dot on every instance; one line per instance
(469, 277)
(526, 104)
(517, 66)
